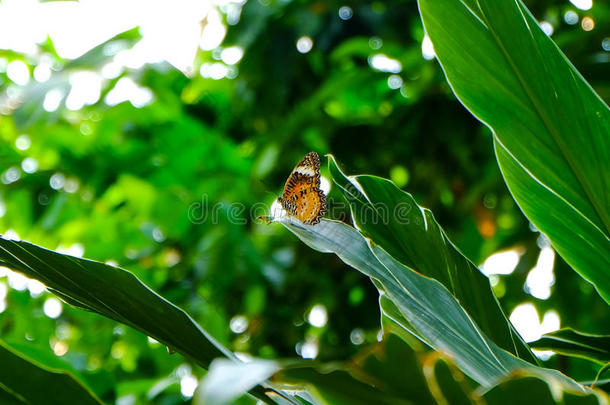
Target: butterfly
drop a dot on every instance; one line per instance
(302, 197)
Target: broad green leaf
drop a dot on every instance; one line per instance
(114, 293)
(35, 384)
(434, 315)
(570, 229)
(573, 343)
(391, 217)
(119, 295)
(550, 128)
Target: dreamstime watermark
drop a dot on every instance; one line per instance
(238, 213)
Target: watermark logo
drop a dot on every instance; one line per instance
(238, 213)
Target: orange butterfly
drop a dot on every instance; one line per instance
(302, 197)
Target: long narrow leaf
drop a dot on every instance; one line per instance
(119, 295)
(114, 293)
(550, 128)
(410, 233)
(434, 314)
(573, 343)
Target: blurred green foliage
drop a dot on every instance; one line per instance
(169, 190)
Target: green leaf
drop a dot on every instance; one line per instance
(227, 380)
(45, 357)
(118, 295)
(391, 217)
(114, 293)
(570, 230)
(531, 389)
(550, 128)
(388, 373)
(570, 342)
(395, 367)
(434, 314)
(337, 386)
(430, 310)
(34, 384)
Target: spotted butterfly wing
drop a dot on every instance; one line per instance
(302, 197)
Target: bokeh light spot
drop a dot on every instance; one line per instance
(238, 324)
(57, 181)
(356, 336)
(570, 17)
(394, 82)
(11, 175)
(546, 27)
(232, 55)
(23, 142)
(52, 100)
(502, 262)
(541, 278)
(52, 307)
(18, 72)
(375, 43)
(399, 175)
(318, 316)
(188, 385)
(309, 349)
(587, 24)
(345, 13)
(384, 63)
(304, 44)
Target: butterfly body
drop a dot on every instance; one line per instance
(302, 197)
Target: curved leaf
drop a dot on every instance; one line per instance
(118, 295)
(529, 388)
(434, 315)
(421, 305)
(35, 384)
(550, 128)
(114, 293)
(408, 232)
(573, 343)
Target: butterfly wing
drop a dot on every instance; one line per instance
(302, 197)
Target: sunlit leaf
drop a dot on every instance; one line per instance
(574, 343)
(394, 221)
(550, 128)
(434, 314)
